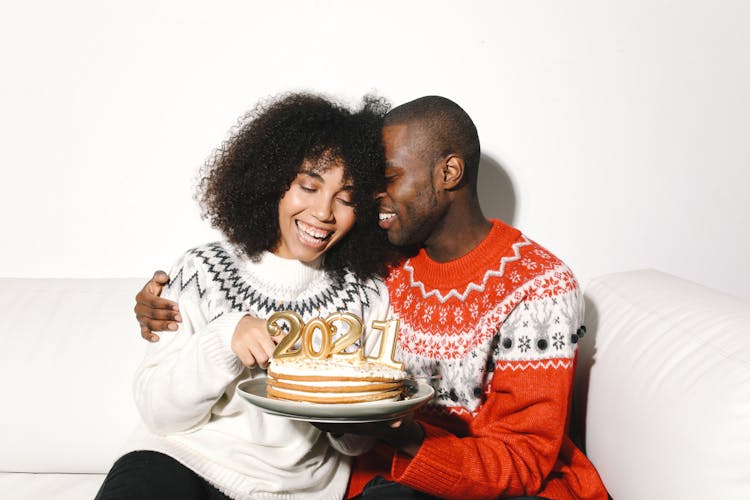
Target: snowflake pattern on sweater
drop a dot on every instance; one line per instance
(495, 333)
(523, 312)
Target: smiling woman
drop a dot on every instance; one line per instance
(317, 210)
(288, 145)
(293, 192)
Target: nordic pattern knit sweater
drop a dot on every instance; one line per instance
(185, 388)
(495, 332)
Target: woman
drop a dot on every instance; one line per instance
(292, 191)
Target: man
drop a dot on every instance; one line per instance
(489, 316)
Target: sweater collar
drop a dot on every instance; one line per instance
(470, 266)
(288, 274)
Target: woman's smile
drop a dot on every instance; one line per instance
(316, 211)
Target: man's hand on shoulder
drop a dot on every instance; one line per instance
(154, 313)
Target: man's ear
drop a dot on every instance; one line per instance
(452, 172)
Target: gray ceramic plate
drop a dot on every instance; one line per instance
(418, 393)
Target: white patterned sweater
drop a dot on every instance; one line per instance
(185, 389)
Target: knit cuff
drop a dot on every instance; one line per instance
(217, 340)
(425, 470)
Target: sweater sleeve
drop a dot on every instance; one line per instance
(187, 371)
(514, 438)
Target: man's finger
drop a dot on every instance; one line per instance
(156, 325)
(160, 314)
(395, 424)
(153, 300)
(153, 288)
(149, 335)
(156, 302)
(160, 277)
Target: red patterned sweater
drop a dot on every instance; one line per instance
(497, 329)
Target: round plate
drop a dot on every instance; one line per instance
(418, 393)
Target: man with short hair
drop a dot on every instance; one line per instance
(488, 316)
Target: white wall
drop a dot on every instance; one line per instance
(614, 133)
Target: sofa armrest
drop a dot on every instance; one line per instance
(664, 382)
(69, 351)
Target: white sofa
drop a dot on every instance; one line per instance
(663, 386)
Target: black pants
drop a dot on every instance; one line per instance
(379, 488)
(148, 475)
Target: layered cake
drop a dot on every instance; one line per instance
(333, 381)
(322, 361)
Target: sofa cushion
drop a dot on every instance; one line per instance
(24, 486)
(668, 374)
(69, 351)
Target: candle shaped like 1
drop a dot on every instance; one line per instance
(387, 348)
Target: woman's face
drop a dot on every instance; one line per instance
(316, 212)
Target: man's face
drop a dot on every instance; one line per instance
(409, 208)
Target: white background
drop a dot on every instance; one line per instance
(616, 134)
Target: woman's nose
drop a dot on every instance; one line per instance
(323, 211)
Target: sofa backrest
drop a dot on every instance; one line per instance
(664, 382)
(68, 353)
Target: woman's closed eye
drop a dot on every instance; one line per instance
(308, 189)
(345, 200)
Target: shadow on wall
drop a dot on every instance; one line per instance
(496, 195)
(586, 359)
